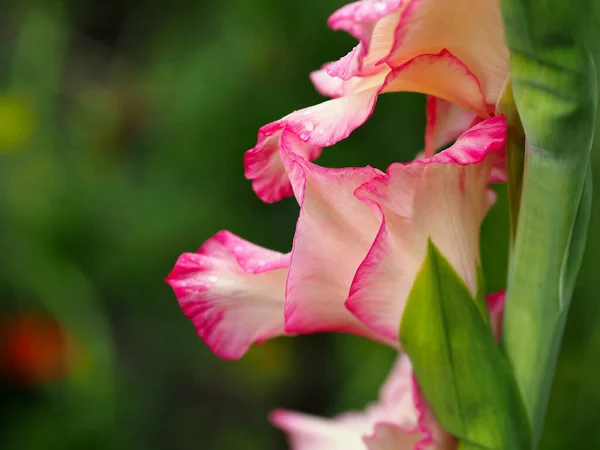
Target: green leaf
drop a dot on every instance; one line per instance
(464, 375)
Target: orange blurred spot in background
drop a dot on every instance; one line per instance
(33, 349)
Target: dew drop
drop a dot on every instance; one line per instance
(379, 7)
(309, 126)
(303, 137)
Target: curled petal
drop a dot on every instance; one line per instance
(457, 85)
(472, 30)
(333, 235)
(444, 198)
(263, 164)
(445, 122)
(392, 33)
(372, 23)
(327, 85)
(347, 66)
(305, 132)
(233, 292)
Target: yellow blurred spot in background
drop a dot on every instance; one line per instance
(17, 122)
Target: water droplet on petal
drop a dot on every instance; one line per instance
(212, 278)
(303, 137)
(321, 131)
(380, 7)
(309, 126)
(308, 112)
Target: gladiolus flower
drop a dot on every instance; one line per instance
(452, 51)
(400, 420)
(360, 240)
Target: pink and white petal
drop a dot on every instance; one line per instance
(396, 404)
(263, 166)
(445, 122)
(313, 433)
(441, 75)
(333, 235)
(472, 30)
(312, 128)
(444, 198)
(495, 303)
(403, 418)
(233, 291)
(349, 65)
(373, 24)
(327, 85)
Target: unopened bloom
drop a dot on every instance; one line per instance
(360, 240)
(400, 420)
(452, 51)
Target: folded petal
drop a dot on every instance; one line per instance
(334, 232)
(327, 85)
(441, 75)
(471, 30)
(263, 165)
(445, 122)
(305, 132)
(373, 24)
(233, 291)
(443, 198)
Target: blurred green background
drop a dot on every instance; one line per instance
(122, 130)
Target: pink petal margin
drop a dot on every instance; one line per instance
(233, 292)
(305, 132)
(359, 20)
(434, 436)
(333, 234)
(383, 281)
(445, 122)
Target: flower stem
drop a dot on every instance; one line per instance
(544, 264)
(554, 80)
